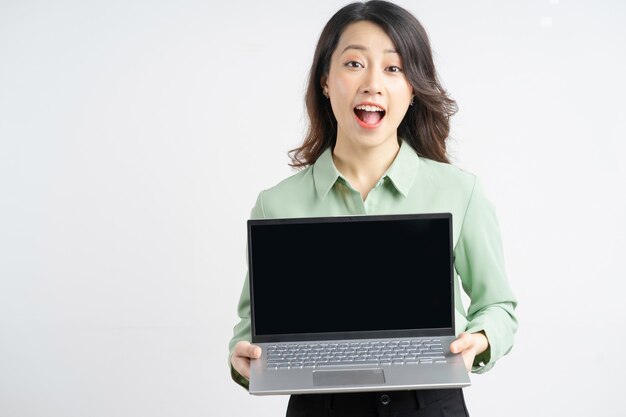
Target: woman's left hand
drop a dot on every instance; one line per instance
(469, 345)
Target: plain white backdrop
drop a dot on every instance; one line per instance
(136, 135)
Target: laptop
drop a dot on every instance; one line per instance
(352, 304)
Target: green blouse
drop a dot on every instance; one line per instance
(412, 184)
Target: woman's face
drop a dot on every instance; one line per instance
(368, 91)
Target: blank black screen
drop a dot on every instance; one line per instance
(351, 276)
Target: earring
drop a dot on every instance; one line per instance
(412, 100)
(325, 92)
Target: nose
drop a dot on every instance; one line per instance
(372, 84)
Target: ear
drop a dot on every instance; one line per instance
(324, 83)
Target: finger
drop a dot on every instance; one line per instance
(247, 350)
(241, 348)
(255, 351)
(456, 346)
(241, 365)
(463, 342)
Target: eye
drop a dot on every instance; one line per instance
(394, 68)
(353, 64)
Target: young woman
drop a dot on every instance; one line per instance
(376, 144)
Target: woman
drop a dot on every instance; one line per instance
(376, 144)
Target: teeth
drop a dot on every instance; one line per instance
(368, 108)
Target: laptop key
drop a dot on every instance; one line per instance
(340, 364)
(327, 364)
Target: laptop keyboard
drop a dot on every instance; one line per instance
(322, 355)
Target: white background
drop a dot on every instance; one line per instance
(136, 135)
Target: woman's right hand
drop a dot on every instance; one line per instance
(244, 351)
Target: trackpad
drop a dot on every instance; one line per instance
(348, 377)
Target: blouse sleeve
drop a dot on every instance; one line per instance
(242, 330)
(479, 261)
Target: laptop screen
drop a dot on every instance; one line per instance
(339, 275)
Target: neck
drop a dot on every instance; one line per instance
(363, 167)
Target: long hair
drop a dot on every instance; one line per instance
(425, 125)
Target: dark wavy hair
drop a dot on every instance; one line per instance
(425, 125)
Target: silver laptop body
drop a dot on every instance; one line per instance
(354, 303)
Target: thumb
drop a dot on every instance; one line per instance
(460, 344)
(254, 351)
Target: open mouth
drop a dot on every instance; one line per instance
(369, 115)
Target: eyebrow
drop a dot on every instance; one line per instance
(363, 48)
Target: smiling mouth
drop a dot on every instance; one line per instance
(369, 116)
